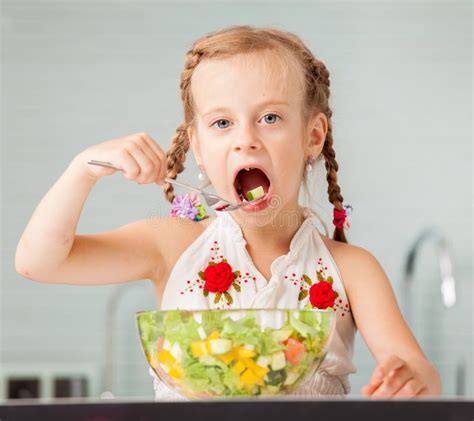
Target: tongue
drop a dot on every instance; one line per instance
(252, 179)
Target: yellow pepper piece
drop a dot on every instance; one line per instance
(199, 348)
(166, 358)
(238, 367)
(259, 371)
(228, 357)
(176, 371)
(246, 353)
(249, 377)
(213, 335)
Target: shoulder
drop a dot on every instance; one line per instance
(169, 226)
(171, 236)
(344, 252)
(355, 263)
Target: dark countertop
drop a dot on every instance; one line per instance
(450, 409)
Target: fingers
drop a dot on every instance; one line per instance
(149, 158)
(151, 165)
(393, 382)
(129, 164)
(161, 156)
(138, 155)
(370, 388)
(410, 389)
(389, 366)
(385, 367)
(394, 378)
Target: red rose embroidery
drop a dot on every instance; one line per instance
(219, 277)
(321, 295)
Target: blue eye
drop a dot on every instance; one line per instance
(223, 119)
(272, 115)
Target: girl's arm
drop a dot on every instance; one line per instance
(403, 369)
(49, 249)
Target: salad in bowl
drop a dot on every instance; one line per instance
(204, 354)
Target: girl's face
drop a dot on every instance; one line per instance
(244, 118)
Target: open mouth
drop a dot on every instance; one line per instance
(251, 185)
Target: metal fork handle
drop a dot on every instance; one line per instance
(167, 179)
(229, 206)
(170, 180)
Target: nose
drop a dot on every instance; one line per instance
(246, 141)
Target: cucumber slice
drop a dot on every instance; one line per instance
(292, 376)
(176, 352)
(278, 360)
(264, 360)
(282, 334)
(271, 390)
(220, 346)
(275, 378)
(256, 193)
(202, 333)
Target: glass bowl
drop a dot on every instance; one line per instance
(203, 354)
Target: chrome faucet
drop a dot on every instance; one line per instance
(109, 356)
(448, 284)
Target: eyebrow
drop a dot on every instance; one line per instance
(261, 104)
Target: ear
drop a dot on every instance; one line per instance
(194, 144)
(316, 135)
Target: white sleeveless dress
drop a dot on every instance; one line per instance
(308, 254)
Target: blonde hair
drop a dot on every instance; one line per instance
(290, 49)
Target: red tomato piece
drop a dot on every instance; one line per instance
(159, 343)
(294, 351)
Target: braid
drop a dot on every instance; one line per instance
(175, 158)
(334, 191)
(321, 93)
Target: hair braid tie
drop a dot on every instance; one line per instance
(339, 216)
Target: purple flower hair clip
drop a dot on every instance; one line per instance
(188, 206)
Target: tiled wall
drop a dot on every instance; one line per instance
(79, 73)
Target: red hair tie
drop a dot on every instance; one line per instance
(340, 215)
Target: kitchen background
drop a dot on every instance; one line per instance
(79, 73)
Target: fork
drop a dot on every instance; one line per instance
(214, 201)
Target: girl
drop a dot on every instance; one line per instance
(257, 117)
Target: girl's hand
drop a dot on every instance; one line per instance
(140, 157)
(394, 378)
